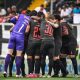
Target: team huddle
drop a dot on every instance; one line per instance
(38, 36)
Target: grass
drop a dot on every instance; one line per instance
(57, 78)
(40, 78)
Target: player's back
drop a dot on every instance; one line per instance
(58, 32)
(34, 30)
(46, 30)
(21, 24)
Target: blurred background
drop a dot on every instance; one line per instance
(8, 7)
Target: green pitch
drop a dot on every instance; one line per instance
(67, 78)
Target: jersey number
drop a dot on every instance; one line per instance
(49, 30)
(36, 33)
(21, 28)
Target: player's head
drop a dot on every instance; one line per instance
(28, 12)
(41, 7)
(57, 17)
(40, 14)
(49, 16)
(23, 12)
(33, 13)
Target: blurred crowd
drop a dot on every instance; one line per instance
(66, 9)
(8, 13)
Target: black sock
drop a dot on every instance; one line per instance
(33, 61)
(30, 66)
(43, 64)
(23, 67)
(37, 66)
(74, 62)
(50, 66)
(60, 66)
(56, 68)
(63, 60)
(11, 65)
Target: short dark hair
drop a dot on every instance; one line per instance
(33, 13)
(56, 16)
(28, 12)
(41, 5)
(39, 14)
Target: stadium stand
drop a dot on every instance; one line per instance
(19, 4)
(35, 4)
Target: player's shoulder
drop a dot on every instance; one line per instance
(21, 15)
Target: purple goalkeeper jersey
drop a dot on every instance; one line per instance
(17, 34)
(21, 24)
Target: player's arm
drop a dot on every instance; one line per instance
(13, 20)
(35, 17)
(11, 29)
(27, 30)
(55, 25)
(48, 18)
(10, 18)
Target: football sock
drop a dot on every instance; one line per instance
(37, 66)
(43, 64)
(74, 62)
(18, 64)
(50, 66)
(23, 67)
(30, 66)
(7, 61)
(11, 65)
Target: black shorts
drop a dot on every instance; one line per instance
(65, 50)
(47, 47)
(33, 48)
(58, 45)
(69, 48)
